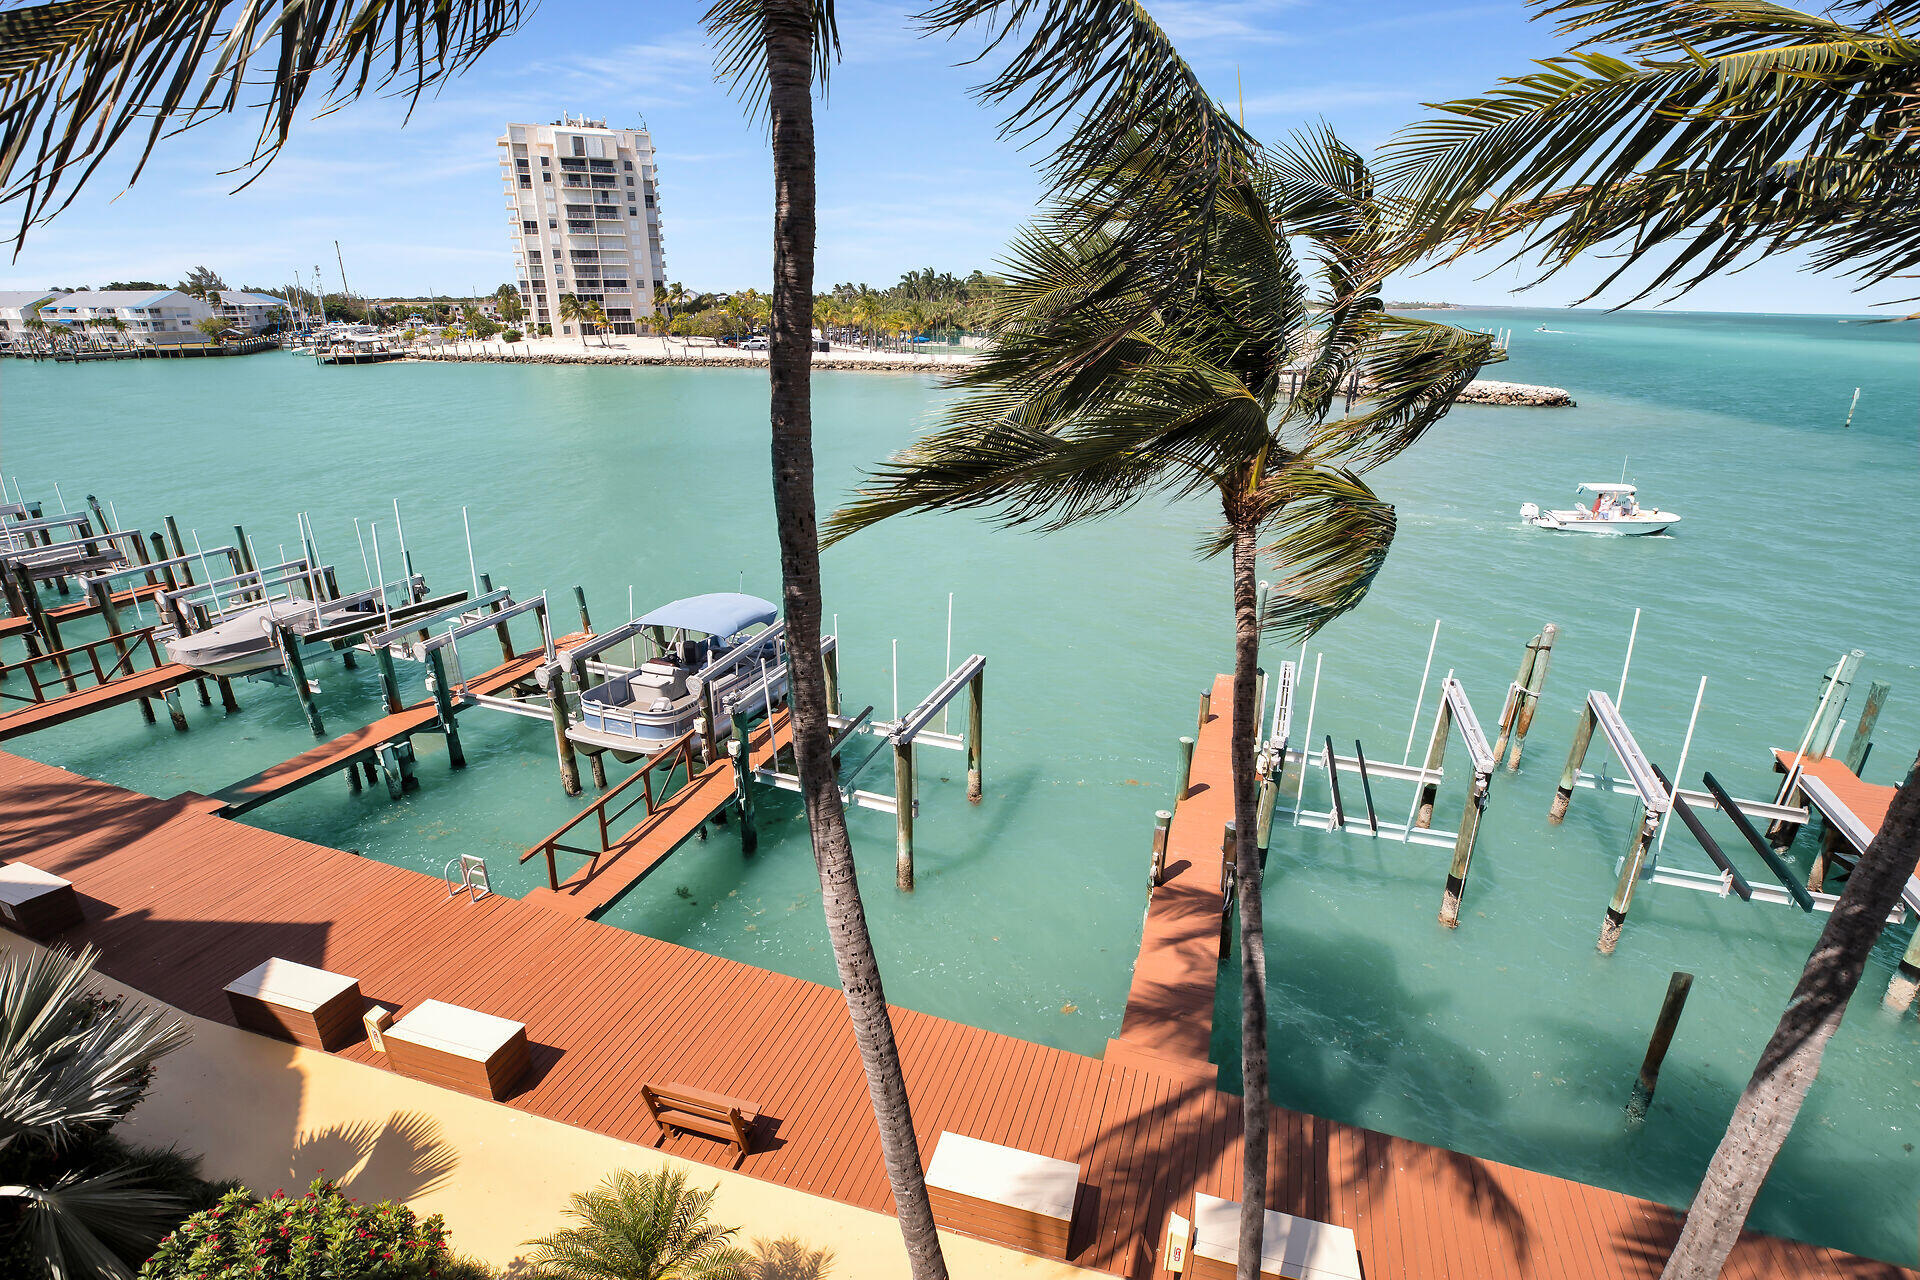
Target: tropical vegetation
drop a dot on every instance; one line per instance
(1689, 139)
(322, 1233)
(75, 1201)
(641, 1226)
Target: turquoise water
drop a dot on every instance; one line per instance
(1509, 1038)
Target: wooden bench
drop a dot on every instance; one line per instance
(1290, 1248)
(297, 1002)
(461, 1049)
(1003, 1194)
(680, 1109)
(35, 902)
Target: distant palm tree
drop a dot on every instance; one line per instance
(574, 311)
(71, 1064)
(1126, 370)
(597, 317)
(641, 1226)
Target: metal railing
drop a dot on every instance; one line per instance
(677, 755)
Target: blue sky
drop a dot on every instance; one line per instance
(912, 171)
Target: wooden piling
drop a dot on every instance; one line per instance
(1186, 769)
(1463, 850)
(1856, 757)
(976, 692)
(1670, 1010)
(389, 679)
(1643, 832)
(1229, 885)
(597, 761)
(830, 660)
(443, 702)
(743, 785)
(175, 712)
(1906, 977)
(562, 744)
(1436, 756)
(1229, 857)
(173, 536)
(1511, 712)
(1206, 710)
(903, 793)
(1823, 860)
(580, 598)
(1576, 756)
(1263, 811)
(709, 726)
(297, 670)
(227, 701)
(1536, 685)
(1162, 824)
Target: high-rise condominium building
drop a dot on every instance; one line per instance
(583, 201)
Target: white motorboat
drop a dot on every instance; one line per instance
(724, 651)
(1616, 510)
(242, 643)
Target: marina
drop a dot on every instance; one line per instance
(1052, 794)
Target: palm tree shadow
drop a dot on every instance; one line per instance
(787, 1258)
(403, 1158)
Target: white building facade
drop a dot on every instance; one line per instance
(154, 318)
(252, 313)
(17, 306)
(583, 204)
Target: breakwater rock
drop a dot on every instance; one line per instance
(1486, 391)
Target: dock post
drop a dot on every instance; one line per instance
(1862, 742)
(1643, 832)
(1817, 872)
(1263, 811)
(443, 701)
(43, 623)
(580, 598)
(110, 615)
(741, 748)
(903, 815)
(297, 670)
(174, 711)
(173, 536)
(976, 690)
(389, 679)
(1229, 858)
(562, 744)
(1906, 978)
(1229, 885)
(1576, 756)
(1536, 685)
(830, 659)
(1463, 850)
(1436, 756)
(227, 701)
(709, 726)
(1206, 711)
(1162, 822)
(390, 769)
(1510, 713)
(1186, 768)
(1670, 1010)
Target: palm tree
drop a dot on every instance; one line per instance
(118, 327)
(78, 80)
(597, 317)
(1123, 371)
(640, 1226)
(510, 306)
(1728, 131)
(72, 1064)
(574, 311)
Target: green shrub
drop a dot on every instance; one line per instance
(322, 1235)
(512, 335)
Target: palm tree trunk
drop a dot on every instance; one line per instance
(788, 32)
(1791, 1060)
(1253, 945)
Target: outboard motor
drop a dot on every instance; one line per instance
(1529, 511)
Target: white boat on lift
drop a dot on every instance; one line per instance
(1616, 510)
(724, 649)
(242, 644)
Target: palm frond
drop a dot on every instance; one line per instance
(1334, 535)
(87, 1226)
(77, 77)
(1733, 128)
(1410, 370)
(739, 30)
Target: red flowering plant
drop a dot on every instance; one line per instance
(322, 1235)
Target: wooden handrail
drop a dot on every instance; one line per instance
(123, 637)
(677, 752)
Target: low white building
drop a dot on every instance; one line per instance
(252, 312)
(17, 306)
(152, 317)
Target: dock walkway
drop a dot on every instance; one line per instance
(351, 748)
(592, 887)
(116, 692)
(20, 624)
(179, 901)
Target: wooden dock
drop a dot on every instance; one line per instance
(19, 625)
(1168, 1024)
(116, 692)
(362, 744)
(628, 859)
(180, 901)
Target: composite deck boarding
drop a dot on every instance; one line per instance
(180, 902)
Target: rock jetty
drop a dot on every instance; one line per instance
(1486, 391)
(863, 364)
